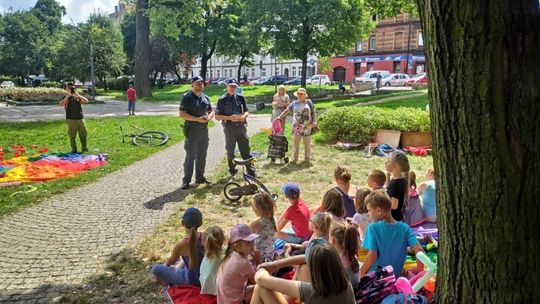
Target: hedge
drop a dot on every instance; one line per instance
(32, 94)
(359, 124)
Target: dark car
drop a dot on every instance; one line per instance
(297, 80)
(279, 79)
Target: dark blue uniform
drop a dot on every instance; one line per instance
(235, 132)
(196, 142)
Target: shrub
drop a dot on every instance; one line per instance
(359, 124)
(40, 94)
(52, 84)
(121, 84)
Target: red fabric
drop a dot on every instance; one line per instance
(131, 94)
(187, 294)
(299, 216)
(419, 151)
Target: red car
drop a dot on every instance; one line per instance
(418, 79)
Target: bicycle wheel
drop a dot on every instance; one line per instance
(150, 139)
(230, 187)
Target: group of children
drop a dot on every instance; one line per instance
(321, 250)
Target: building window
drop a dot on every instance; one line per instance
(277, 70)
(370, 66)
(300, 71)
(252, 72)
(372, 43)
(398, 40)
(420, 39)
(397, 66)
(357, 68)
(294, 71)
(263, 72)
(230, 72)
(218, 73)
(358, 46)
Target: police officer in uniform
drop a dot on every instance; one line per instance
(232, 111)
(196, 110)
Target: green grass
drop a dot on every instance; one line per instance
(327, 104)
(103, 137)
(127, 277)
(172, 93)
(412, 102)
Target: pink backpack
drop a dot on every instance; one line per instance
(277, 128)
(376, 285)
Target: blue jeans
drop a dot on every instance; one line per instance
(172, 275)
(131, 106)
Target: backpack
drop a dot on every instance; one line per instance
(402, 298)
(376, 285)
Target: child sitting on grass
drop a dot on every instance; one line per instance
(386, 240)
(297, 213)
(398, 168)
(360, 219)
(345, 239)
(427, 193)
(236, 271)
(332, 203)
(212, 258)
(319, 224)
(265, 226)
(376, 179)
(188, 253)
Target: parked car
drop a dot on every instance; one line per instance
(319, 79)
(418, 79)
(245, 82)
(224, 81)
(371, 76)
(279, 79)
(397, 79)
(297, 80)
(7, 84)
(259, 81)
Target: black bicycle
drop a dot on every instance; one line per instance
(234, 191)
(146, 138)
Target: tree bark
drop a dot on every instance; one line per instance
(205, 57)
(484, 96)
(240, 65)
(306, 31)
(142, 50)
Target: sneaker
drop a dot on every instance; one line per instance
(203, 181)
(185, 186)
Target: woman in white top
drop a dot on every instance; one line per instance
(280, 102)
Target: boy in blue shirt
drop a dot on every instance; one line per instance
(386, 239)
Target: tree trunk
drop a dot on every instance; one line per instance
(305, 41)
(205, 57)
(484, 94)
(240, 65)
(142, 50)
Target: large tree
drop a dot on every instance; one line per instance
(129, 31)
(485, 109)
(314, 27)
(142, 49)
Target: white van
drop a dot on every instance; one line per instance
(370, 76)
(319, 79)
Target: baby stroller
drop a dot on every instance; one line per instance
(279, 146)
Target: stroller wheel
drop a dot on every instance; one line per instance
(286, 160)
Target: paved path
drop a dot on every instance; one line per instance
(58, 243)
(111, 108)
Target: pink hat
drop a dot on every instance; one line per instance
(242, 232)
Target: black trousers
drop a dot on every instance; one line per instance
(237, 134)
(196, 146)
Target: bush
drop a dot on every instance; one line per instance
(33, 94)
(52, 84)
(359, 124)
(121, 84)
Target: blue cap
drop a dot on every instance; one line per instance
(196, 79)
(192, 218)
(311, 245)
(232, 82)
(291, 190)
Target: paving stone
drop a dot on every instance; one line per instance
(69, 236)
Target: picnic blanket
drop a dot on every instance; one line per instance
(46, 167)
(187, 294)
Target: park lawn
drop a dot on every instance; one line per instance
(419, 102)
(103, 137)
(127, 276)
(336, 103)
(172, 93)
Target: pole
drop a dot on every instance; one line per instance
(92, 72)
(408, 45)
(275, 64)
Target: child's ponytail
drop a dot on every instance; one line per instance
(350, 245)
(214, 242)
(192, 248)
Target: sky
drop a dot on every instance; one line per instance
(77, 10)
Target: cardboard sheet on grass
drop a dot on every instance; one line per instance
(46, 167)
